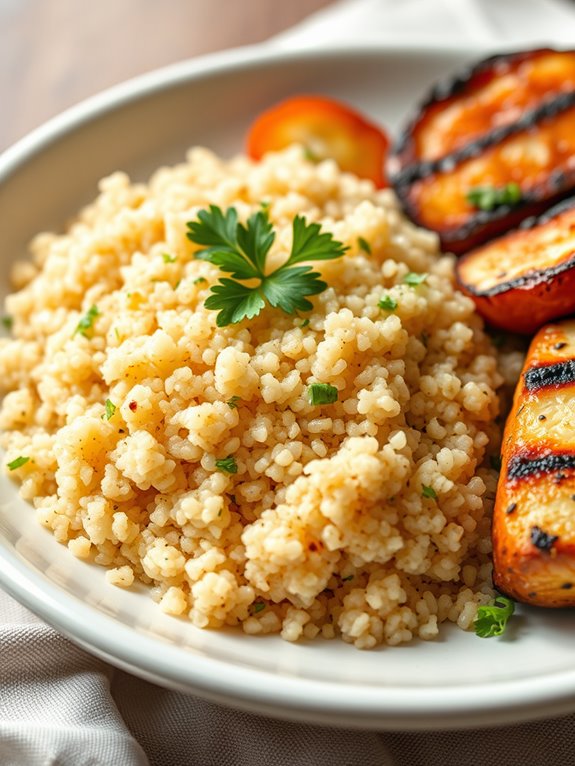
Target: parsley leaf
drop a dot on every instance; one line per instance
(200, 281)
(412, 279)
(429, 492)
(169, 258)
(233, 402)
(234, 302)
(87, 321)
(110, 409)
(364, 245)
(257, 606)
(322, 393)
(491, 620)
(227, 465)
(387, 303)
(241, 250)
(490, 197)
(18, 462)
(7, 321)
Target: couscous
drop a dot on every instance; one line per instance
(191, 456)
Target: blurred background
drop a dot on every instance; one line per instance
(54, 53)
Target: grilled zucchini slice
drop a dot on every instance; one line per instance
(526, 277)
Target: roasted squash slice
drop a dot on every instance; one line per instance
(526, 277)
(489, 95)
(533, 528)
(509, 122)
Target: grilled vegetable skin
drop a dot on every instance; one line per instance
(533, 529)
(488, 95)
(510, 119)
(526, 277)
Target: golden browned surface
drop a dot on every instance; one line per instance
(525, 278)
(528, 159)
(492, 98)
(540, 426)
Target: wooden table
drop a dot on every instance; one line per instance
(54, 53)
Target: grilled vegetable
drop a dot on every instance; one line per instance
(527, 277)
(506, 125)
(533, 530)
(489, 95)
(327, 129)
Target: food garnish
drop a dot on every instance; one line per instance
(364, 245)
(387, 303)
(110, 410)
(327, 129)
(233, 402)
(169, 258)
(413, 280)
(7, 321)
(227, 465)
(322, 393)
(526, 277)
(491, 619)
(429, 492)
(18, 462)
(533, 536)
(87, 321)
(490, 197)
(241, 250)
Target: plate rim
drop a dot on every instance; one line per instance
(296, 698)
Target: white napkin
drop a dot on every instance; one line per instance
(59, 706)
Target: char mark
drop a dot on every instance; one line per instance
(559, 374)
(521, 467)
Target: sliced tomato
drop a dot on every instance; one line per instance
(327, 129)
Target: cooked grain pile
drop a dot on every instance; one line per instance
(365, 518)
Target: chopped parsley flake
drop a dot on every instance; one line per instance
(322, 393)
(387, 303)
(200, 281)
(305, 323)
(347, 579)
(18, 462)
(241, 250)
(227, 465)
(491, 620)
(429, 492)
(364, 245)
(87, 321)
(413, 280)
(489, 197)
(7, 321)
(310, 155)
(169, 258)
(258, 606)
(110, 409)
(233, 402)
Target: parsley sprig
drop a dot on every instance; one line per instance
(492, 619)
(241, 250)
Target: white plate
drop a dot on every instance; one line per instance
(459, 680)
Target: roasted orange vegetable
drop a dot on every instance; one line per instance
(538, 158)
(507, 122)
(327, 129)
(526, 277)
(491, 94)
(533, 529)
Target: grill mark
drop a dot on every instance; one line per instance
(542, 112)
(521, 467)
(558, 374)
